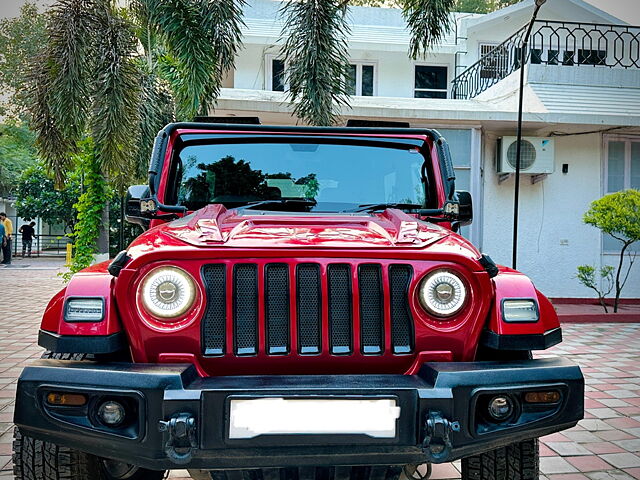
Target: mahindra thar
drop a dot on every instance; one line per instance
(300, 305)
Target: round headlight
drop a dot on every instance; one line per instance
(168, 292)
(442, 293)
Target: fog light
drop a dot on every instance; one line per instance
(500, 408)
(111, 413)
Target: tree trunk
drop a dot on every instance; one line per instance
(618, 286)
(103, 236)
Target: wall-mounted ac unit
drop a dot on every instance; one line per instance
(537, 155)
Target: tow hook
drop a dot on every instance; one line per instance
(181, 443)
(437, 440)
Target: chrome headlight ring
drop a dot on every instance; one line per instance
(442, 293)
(167, 292)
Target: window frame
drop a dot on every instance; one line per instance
(628, 139)
(359, 64)
(447, 91)
(268, 72)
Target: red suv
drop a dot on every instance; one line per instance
(300, 305)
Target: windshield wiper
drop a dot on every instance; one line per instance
(299, 202)
(372, 207)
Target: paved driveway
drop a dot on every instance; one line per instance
(605, 445)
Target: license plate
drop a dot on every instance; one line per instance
(250, 418)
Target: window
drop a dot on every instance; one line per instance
(495, 65)
(275, 73)
(592, 57)
(622, 171)
(430, 81)
(360, 79)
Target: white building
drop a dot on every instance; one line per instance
(582, 95)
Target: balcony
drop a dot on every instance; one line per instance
(553, 44)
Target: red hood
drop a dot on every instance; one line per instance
(392, 232)
(216, 226)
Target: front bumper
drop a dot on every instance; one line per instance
(177, 418)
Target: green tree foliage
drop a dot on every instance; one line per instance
(21, 39)
(17, 152)
(90, 206)
(618, 215)
(316, 48)
(36, 196)
(587, 276)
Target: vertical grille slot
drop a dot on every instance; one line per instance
(214, 320)
(371, 309)
(401, 319)
(276, 280)
(340, 316)
(309, 298)
(245, 308)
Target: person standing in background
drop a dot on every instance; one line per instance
(8, 231)
(28, 234)
(3, 239)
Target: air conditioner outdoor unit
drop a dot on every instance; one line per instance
(537, 155)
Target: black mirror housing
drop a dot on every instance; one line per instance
(136, 194)
(465, 207)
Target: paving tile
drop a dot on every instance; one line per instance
(603, 447)
(632, 445)
(568, 448)
(622, 460)
(549, 465)
(591, 463)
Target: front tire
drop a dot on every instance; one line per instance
(38, 460)
(518, 461)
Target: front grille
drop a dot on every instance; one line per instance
(276, 313)
(289, 313)
(340, 308)
(245, 308)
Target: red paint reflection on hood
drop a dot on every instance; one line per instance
(214, 225)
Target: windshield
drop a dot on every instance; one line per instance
(317, 177)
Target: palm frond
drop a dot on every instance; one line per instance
(116, 96)
(54, 146)
(186, 37)
(428, 21)
(316, 51)
(156, 109)
(70, 30)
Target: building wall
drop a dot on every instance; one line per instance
(394, 72)
(552, 238)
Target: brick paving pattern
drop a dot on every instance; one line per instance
(604, 446)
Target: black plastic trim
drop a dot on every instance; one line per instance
(537, 341)
(98, 344)
(170, 390)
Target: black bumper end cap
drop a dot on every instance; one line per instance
(540, 341)
(97, 344)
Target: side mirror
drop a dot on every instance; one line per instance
(136, 194)
(465, 208)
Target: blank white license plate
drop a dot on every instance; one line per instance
(251, 418)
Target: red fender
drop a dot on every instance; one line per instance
(94, 281)
(513, 284)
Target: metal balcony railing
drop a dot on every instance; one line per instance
(563, 44)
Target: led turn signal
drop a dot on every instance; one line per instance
(542, 397)
(66, 399)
